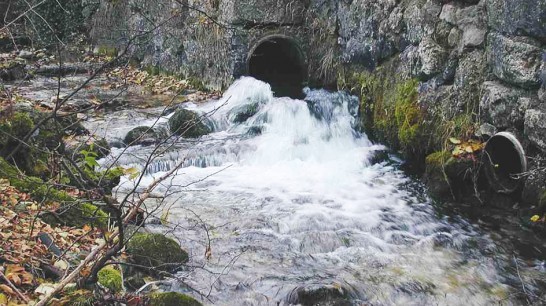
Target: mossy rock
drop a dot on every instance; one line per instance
(142, 135)
(156, 252)
(110, 278)
(99, 147)
(39, 190)
(188, 124)
(243, 113)
(172, 299)
(447, 176)
(323, 295)
(78, 215)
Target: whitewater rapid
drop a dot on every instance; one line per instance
(289, 198)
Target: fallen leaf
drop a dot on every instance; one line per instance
(454, 141)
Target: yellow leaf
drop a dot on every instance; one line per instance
(454, 141)
(535, 218)
(468, 149)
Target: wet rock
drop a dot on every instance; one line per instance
(515, 60)
(172, 299)
(379, 156)
(535, 127)
(502, 106)
(327, 295)
(188, 124)
(142, 135)
(67, 68)
(243, 113)
(486, 131)
(445, 175)
(156, 252)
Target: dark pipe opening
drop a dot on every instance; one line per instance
(504, 159)
(280, 62)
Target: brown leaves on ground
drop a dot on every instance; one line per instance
(468, 148)
(22, 254)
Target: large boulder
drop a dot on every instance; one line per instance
(518, 17)
(515, 60)
(502, 106)
(156, 252)
(188, 124)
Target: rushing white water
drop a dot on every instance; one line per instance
(289, 199)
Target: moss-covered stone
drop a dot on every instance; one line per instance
(80, 214)
(188, 124)
(110, 278)
(244, 112)
(156, 252)
(39, 190)
(447, 176)
(172, 299)
(142, 135)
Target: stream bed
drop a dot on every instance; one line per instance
(288, 201)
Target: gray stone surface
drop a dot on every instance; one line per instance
(518, 17)
(502, 105)
(515, 60)
(535, 127)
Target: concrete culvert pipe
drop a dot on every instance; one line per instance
(504, 160)
(279, 61)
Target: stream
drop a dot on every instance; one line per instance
(292, 200)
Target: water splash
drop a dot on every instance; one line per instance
(292, 197)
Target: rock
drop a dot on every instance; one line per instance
(454, 37)
(445, 175)
(433, 58)
(449, 13)
(156, 252)
(535, 128)
(515, 60)
(172, 299)
(486, 131)
(133, 279)
(25, 54)
(242, 113)
(14, 72)
(473, 36)
(534, 188)
(500, 106)
(469, 78)
(142, 135)
(78, 215)
(188, 124)
(326, 295)
(110, 278)
(517, 17)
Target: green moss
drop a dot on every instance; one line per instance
(172, 299)
(438, 159)
(80, 214)
(110, 278)
(156, 251)
(39, 190)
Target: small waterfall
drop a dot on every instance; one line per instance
(291, 201)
